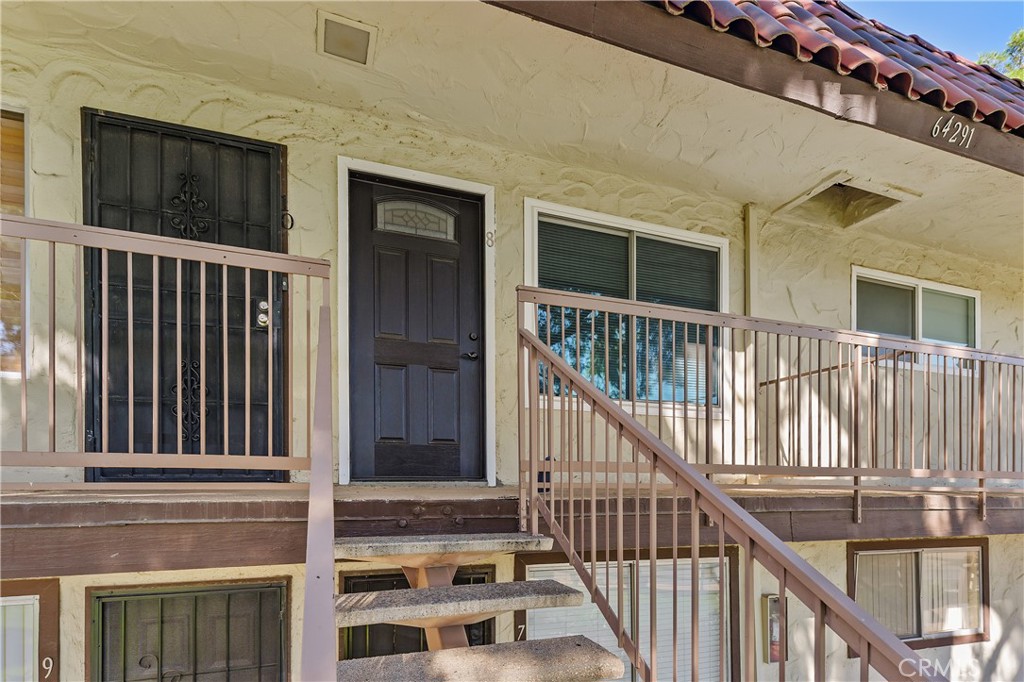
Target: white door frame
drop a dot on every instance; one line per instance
(347, 165)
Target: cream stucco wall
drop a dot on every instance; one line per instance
(803, 270)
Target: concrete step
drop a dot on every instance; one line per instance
(436, 607)
(418, 551)
(565, 659)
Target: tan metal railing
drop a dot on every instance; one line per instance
(138, 351)
(612, 493)
(784, 405)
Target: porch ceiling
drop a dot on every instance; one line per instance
(486, 74)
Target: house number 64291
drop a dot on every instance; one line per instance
(954, 132)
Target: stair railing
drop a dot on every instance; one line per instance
(612, 493)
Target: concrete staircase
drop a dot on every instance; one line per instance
(443, 609)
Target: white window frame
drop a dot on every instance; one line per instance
(347, 165)
(918, 285)
(536, 210)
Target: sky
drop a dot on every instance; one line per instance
(966, 27)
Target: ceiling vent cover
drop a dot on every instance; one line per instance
(345, 39)
(845, 201)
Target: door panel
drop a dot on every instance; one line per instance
(416, 332)
(154, 178)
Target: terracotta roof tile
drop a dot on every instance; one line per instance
(837, 37)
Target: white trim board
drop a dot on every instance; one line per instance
(347, 165)
(534, 209)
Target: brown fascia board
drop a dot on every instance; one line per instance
(650, 31)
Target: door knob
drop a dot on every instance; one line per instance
(471, 356)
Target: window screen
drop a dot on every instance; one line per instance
(885, 309)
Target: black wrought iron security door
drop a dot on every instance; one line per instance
(154, 178)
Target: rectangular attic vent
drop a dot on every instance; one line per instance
(345, 38)
(844, 201)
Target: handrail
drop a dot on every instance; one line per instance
(570, 299)
(38, 229)
(878, 647)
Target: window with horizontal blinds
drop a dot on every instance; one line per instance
(585, 261)
(676, 274)
(911, 309)
(12, 200)
(885, 309)
(625, 264)
(887, 589)
(947, 318)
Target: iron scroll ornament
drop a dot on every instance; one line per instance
(191, 417)
(188, 223)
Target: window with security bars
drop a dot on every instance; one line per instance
(923, 593)
(204, 635)
(384, 639)
(670, 358)
(588, 621)
(12, 201)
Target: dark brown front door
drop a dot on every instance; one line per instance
(416, 346)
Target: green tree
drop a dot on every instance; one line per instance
(1011, 60)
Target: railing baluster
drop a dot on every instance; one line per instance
(105, 348)
(179, 366)
(155, 357)
(749, 641)
(247, 342)
(652, 549)
(79, 305)
(51, 367)
(23, 351)
(695, 585)
(532, 379)
(722, 582)
(202, 358)
(270, 363)
(225, 388)
(675, 579)
(819, 641)
(783, 626)
(130, 276)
